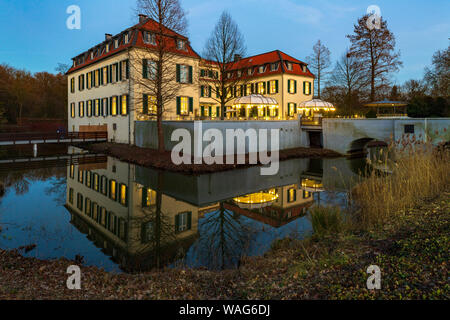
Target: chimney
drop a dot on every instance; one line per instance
(142, 18)
(108, 36)
(237, 57)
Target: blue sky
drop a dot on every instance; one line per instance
(35, 36)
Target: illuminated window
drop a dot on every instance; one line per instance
(97, 107)
(94, 214)
(124, 105)
(148, 197)
(274, 86)
(72, 109)
(88, 179)
(249, 89)
(184, 105)
(105, 75)
(104, 185)
(89, 80)
(149, 105)
(107, 48)
(114, 73)
(291, 195)
(292, 109)
(261, 88)
(81, 82)
(306, 194)
(307, 88)
(81, 109)
(89, 108)
(113, 190)
(292, 86)
(114, 110)
(72, 85)
(123, 199)
(97, 78)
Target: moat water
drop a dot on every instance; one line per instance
(125, 218)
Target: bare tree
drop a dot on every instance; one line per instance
(223, 50)
(374, 47)
(159, 77)
(438, 76)
(413, 89)
(319, 62)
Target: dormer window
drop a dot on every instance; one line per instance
(126, 38)
(274, 67)
(92, 55)
(261, 69)
(289, 66)
(107, 48)
(249, 71)
(181, 45)
(239, 73)
(149, 38)
(304, 68)
(116, 43)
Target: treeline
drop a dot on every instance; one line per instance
(25, 95)
(364, 72)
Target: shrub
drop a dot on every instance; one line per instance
(326, 220)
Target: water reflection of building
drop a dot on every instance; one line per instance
(275, 207)
(122, 217)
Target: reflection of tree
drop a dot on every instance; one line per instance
(57, 189)
(157, 235)
(224, 239)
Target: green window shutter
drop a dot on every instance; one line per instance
(120, 71)
(202, 111)
(189, 220)
(127, 68)
(217, 92)
(145, 68)
(202, 91)
(209, 91)
(289, 109)
(268, 87)
(276, 86)
(144, 197)
(178, 105)
(110, 105)
(128, 104)
(210, 111)
(190, 74)
(295, 86)
(117, 72)
(178, 72)
(109, 73)
(191, 104)
(144, 104)
(218, 111)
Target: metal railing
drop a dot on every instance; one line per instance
(52, 136)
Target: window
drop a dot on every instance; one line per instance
(89, 80)
(239, 73)
(126, 38)
(150, 69)
(274, 86)
(81, 109)
(122, 229)
(291, 195)
(104, 185)
(289, 66)
(116, 43)
(184, 107)
(71, 196)
(105, 107)
(81, 82)
(97, 107)
(125, 70)
(149, 105)
(261, 69)
(149, 38)
(181, 45)
(124, 105)
(306, 194)
(249, 71)
(114, 73)
(123, 195)
(261, 88)
(97, 78)
(88, 179)
(105, 75)
(292, 86)
(409, 128)
(80, 176)
(72, 85)
(72, 109)
(273, 66)
(113, 189)
(184, 73)
(107, 48)
(89, 108)
(183, 222)
(88, 207)
(72, 171)
(292, 109)
(114, 110)
(307, 88)
(96, 182)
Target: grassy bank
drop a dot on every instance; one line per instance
(152, 158)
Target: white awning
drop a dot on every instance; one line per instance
(315, 104)
(256, 99)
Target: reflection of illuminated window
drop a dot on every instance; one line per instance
(123, 195)
(112, 222)
(88, 207)
(306, 194)
(261, 88)
(80, 176)
(71, 195)
(89, 108)
(148, 197)
(96, 182)
(80, 202)
(104, 185)
(291, 195)
(113, 190)
(103, 216)
(88, 179)
(72, 171)
(183, 221)
(122, 228)
(72, 110)
(95, 212)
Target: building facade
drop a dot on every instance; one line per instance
(107, 90)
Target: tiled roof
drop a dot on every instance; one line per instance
(135, 40)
